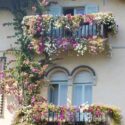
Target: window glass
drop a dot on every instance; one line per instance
(58, 88)
(82, 88)
(68, 11)
(74, 11)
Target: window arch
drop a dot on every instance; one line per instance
(82, 87)
(58, 87)
(83, 77)
(58, 76)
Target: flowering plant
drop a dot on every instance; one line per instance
(51, 34)
(43, 113)
(30, 78)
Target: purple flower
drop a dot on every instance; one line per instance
(33, 100)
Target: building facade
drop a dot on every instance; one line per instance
(79, 79)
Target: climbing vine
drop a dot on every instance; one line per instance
(27, 76)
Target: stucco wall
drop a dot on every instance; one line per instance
(110, 71)
(110, 82)
(5, 43)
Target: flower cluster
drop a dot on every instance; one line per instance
(108, 21)
(43, 113)
(51, 34)
(31, 74)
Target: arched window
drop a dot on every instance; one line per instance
(58, 88)
(82, 88)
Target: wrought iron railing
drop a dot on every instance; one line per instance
(78, 118)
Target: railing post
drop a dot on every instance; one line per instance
(105, 33)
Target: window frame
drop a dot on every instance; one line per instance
(59, 83)
(71, 74)
(83, 84)
(74, 9)
(63, 82)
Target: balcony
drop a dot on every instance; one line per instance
(84, 30)
(82, 33)
(48, 114)
(78, 118)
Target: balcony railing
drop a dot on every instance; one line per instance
(41, 113)
(84, 34)
(78, 118)
(85, 30)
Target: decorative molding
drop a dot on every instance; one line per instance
(58, 67)
(118, 47)
(73, 71)
(83, 67)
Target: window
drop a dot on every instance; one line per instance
(82, 88)
(58, 10)
(2, 64)
(68, 11)
(77, 89)
(73, 11)
(58, 88)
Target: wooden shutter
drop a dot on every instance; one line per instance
(80, 11)
(91, 8)
(55, 10)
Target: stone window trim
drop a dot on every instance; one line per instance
(71, 74)
(3, 60)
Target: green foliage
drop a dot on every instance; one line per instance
(27, 72)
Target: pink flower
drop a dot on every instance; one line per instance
(44, 2)
(35, 70)
(38, 29)
(69, 16)
(2, 75)
(89, 19)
